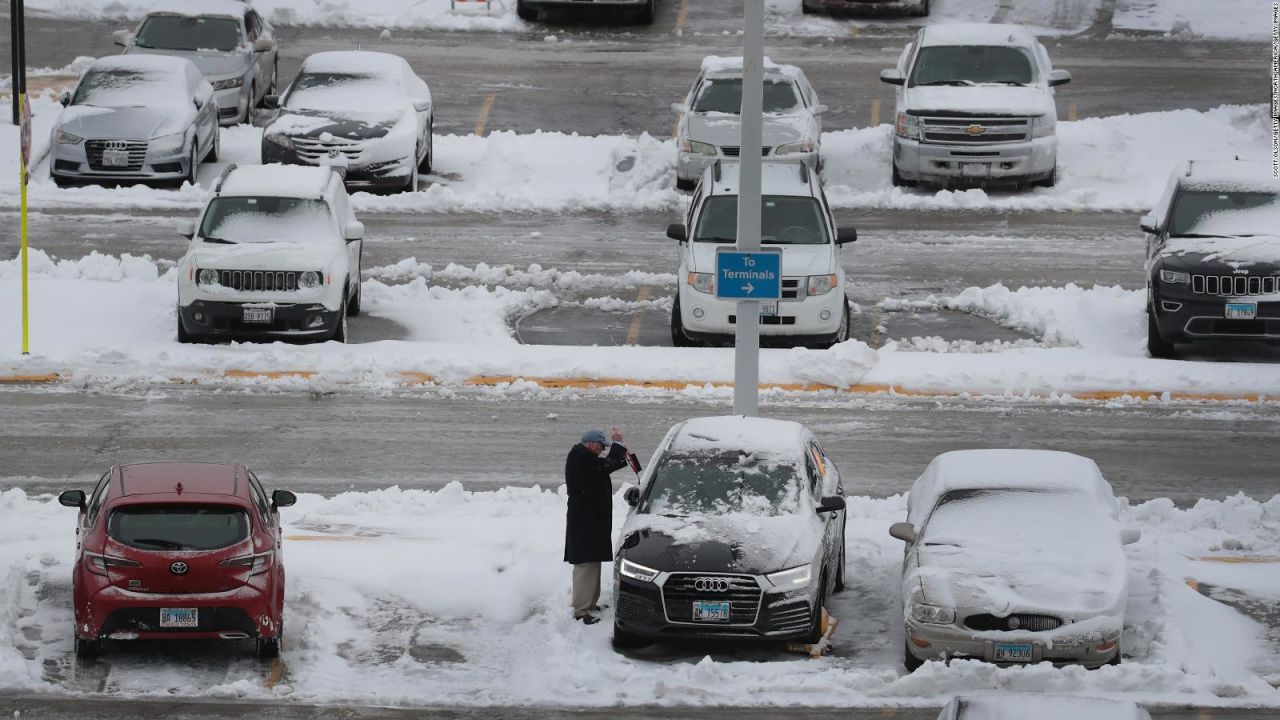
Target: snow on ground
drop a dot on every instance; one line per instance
(1114, 163)
(1189, 19)
(104, 317)
(1047, 17)
(487, 596)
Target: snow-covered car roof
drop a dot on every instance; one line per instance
(356, 61)
(772, 438)
(728, 66)
(277, 180)
(776, 178)
(1019, 706)
(1241, 175)
(152, 64)
(162, 82)
(977, 34)
(200, 8)
(1046, 470)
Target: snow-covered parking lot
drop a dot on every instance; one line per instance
(413, 597)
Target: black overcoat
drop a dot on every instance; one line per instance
(588, 535)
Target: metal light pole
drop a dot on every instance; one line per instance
(18, 47)
(746, 372)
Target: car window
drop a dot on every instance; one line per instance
(971, 65)
(693, 206)
(260, 499)
(716, 483)
(99, 495)
(253, 24)
(351, 93)
(965, 518)
(180, 32)
(1198, 212)
(785, 220)
(724, 95)
(178, 527)
(129, 87)
(267, 219)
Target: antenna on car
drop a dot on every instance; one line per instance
(716, 170)
(1189, 164)
(217, 185)
(804, 172)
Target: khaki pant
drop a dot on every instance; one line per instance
(586, 588)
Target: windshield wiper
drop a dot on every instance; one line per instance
(224, 241)
(158, 542)
(1005, 82)
(1201, 235)
(958, 83)
(716, 239)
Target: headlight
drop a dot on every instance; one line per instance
(283, 141)
(702, 282)
(932, 614)
(793, 578)
(697, 148)
(1173, 277)
(1043, 126)
(822, 284)
(168, 144)
(207, 277)
(795, 148)
(636, 571)
(62, 137)
(229, 83)
(908, 126)
(309, 279)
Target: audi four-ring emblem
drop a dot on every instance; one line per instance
(178, 568)
(711, 584)
(115, 145)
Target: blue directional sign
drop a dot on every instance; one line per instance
(748, 275)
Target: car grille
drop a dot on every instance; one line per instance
(1025, 621)
(313, 150)
(137, 150)
(792, 289)
(227, 112)
(1234, 285)
(961, 130)
(736, 150)
(790, 617)
(636, 608)
(744, 593)
(769, 320)
(259, 280)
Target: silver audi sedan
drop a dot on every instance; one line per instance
(135, 117)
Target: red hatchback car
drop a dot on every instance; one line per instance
(179, 551)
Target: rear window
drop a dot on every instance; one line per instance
(179, 527)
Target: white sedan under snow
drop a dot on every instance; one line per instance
(1013, 556)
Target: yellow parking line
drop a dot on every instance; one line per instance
(854, 30)
(888, 711)
(1073, 112)
(276, 673)
(485, 109)
(29, 379)
(1205, 715)
(634, 333)
(1193, 584)
(1240, 559)
(875, 112)
(268, 375)
(682, 16)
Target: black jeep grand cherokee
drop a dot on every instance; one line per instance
(1213, 256)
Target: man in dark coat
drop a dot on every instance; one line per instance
(588, 537)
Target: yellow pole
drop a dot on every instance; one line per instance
(22, 167)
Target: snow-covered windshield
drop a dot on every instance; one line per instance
(721, 483)
(129, 88)
(176, 32)
(1011, 518)
(267, 219)
(972, 65)
(179, 527)
(786, 220)
(1200, 212)
(724, 95)
(343, 92)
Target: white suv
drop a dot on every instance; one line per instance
(275, 253)
(795, 217)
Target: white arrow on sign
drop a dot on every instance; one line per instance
(749, 288)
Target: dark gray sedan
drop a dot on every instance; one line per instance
(133, 117)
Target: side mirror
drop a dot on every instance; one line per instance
(833, 503)
(199, 101)
(1059, 77)
(282, 498)
(1149, 224)
(679, 108)
(904, 531)
(271, 102)
(354, 231)
(632, 496)
(892, 76)
(188, 230)
(263, 44)
(65, 98)
(122, 38)
(676, 231)
(72, 498)
(846, 235)
(1129, 536)
(820, 109)
(422, 105)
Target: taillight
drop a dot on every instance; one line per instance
(257, 564)
(100, 563)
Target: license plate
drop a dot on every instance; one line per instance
(258, 315)
(1012, 652)
(1242, 311)
(768, 309)
(179, 617)
(975, 169)
(115, 158)
(704, 611)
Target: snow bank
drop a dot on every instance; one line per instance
(1189, 19)
(486, 595)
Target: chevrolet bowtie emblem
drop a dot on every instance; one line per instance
(975, 129)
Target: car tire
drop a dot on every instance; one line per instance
(271, 87)
(921, 10)
(353, 305)
(193, 166)
(898, 180)
(678, 336)
(340, 330)
(268, 648)
(623, 639)
(909, 661)
(646, 14)
(1050, 181)
(686, 185)
(805, 9)
(183, 335)
(842, 334)
(247, 119)
(815, 630)
(215, 148)
(840, 567)
(61, 181)
(411, 183)
(424, 167)
(526, 13)
(1157, 346)
(87, 648)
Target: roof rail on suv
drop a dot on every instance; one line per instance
(217, 184)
